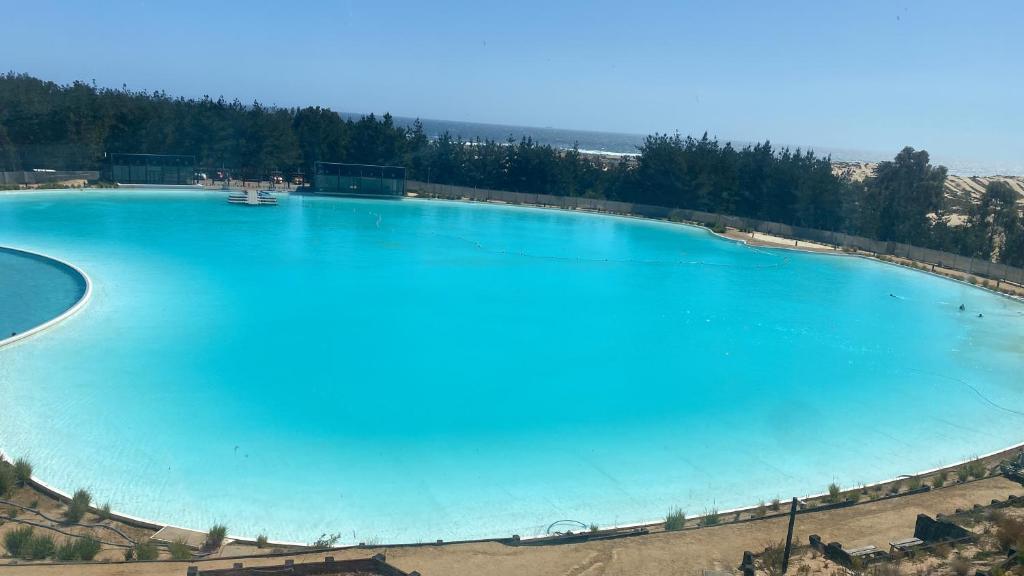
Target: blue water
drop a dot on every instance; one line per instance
(33, 290)
(413, 370)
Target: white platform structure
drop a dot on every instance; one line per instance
(252, 197)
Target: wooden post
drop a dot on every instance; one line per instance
(789, 536)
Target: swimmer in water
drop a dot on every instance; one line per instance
(962, 308)
(981, 315)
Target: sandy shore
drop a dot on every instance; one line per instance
(686, 552)
(769, 241)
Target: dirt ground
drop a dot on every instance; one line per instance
(684, 553)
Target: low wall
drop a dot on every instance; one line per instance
(11, 178)
(966, 264)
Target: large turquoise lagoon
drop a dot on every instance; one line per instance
(412, 370)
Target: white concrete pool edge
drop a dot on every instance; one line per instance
(155, 525)
(82, 301)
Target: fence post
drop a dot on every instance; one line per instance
(789, 536)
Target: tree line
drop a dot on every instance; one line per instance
(47, 125)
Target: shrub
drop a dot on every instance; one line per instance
(995, 515)
(38, 547)
(960, 566)
(15, 540)
(833, 493)
(761, 511)
(718, 228)
(144, 550)
(914, 483)
(179, 550)
(34, 503)
(215, 537)
(710, 518)
(7, 478)
(1010, 532)
(775, 504)
(963, 473)
(326, 541)
(66, 552)
(675, 520)
(976, 469)
(594, 528)
(853, 496)
(79, 505)
(940, 479)
(942, 550)
(261, 541)
(770, 561)
(78, 549)
(22, 471)
(885, 569)
(104, 511)
(88, 548)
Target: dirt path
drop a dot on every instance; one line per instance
(683, 553)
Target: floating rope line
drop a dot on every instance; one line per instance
(578, 259)
(973, 389)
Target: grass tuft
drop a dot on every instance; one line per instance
(833, 493)
(79, 505)
(179, 550)
(25, 544)
(7, 478)
(15, 540)
(326, 541)
(675, 520)
(22, 471)
(710, 518)
(215, 536)
(143, 550)
(78, 549)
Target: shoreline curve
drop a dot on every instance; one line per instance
(152, 524)
(78, 305)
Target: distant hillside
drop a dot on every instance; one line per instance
(960, 191)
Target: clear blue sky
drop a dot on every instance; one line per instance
(873, 75)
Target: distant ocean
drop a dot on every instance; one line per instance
(621, 143)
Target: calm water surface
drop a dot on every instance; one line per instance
(417, 370)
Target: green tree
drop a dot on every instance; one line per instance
(900, 198)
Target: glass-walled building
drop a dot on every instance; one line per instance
(155, 169)
(358, 179)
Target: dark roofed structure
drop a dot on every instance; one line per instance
(376, 566)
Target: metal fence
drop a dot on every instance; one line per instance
(25, 177)
(152, 169)
(838, 240)
(358, 179)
